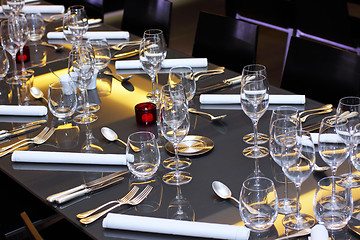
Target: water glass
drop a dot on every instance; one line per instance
(258, 203)
(142, 154)
(36, 26)
(102, 52)
(62, 99)
(4, 63)
(333, 203)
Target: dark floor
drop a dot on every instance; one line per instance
(271, 44)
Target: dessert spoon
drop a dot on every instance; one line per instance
(37, 93)
(111, 135)
(193, 110)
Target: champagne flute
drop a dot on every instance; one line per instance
(81, 67)
(248, 72)
(184, 75)
(351, 106)
(11, 47)
(254, 102)
(175, 126)
(297, 164)
(283, 119)
(78, 21)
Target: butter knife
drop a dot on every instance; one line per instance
(23, 127)
(17, 132)
(99, 181)
(217, 86)
(76, 194)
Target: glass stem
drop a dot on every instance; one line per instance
(154, 87)
(15, 68)
(176, 160)
(298, 201)
(255, 123)
(85, 101)
(22, 59)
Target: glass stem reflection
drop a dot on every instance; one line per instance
(22, 59)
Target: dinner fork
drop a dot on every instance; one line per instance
(208, 72)
(41, 134)
(121, 45)
(135, 201)
(53, 18)
(303, 119)
(126, 198)
(36, 140)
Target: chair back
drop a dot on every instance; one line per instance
(140, 15)
(225, 41)
(321, 72)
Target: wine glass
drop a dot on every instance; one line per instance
(297, 164)
(102, 52)
(254, 102)
(175, 126)
(78, 21)
(248, 72)
(283, 119)
(333, 203)
(68, 34)
(11, 47)
(152, 54)
(169, 92)
(332, 148)
(4, 63)
(12, 6)
(185, 76)
(350, 106)
(258, 203)
(81, 67)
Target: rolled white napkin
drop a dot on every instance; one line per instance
(175, 227)
(97, 34)
(235, 99)
(23, 110)
(43, 9)
(329, 137)
(68, 158)
(167, 63)
(319, 232)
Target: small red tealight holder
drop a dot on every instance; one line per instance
(145, 113)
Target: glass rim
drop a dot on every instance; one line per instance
(341, 101)
(152, 136)
(272, 185)
(330, 178)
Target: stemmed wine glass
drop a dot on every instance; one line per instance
(298, 164)
(255, 101)
(12, 6)
(175, 126)
(77, 21)
(152, 53)
(283, 119)
(185, 76)
(81, 67)
(248, 72)
(11, 47)
(350, 106)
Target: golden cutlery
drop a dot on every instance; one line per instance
(125, 55)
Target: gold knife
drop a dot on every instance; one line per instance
(25, 126)
(99, 181)
(216, 86)
(17, 132)
(125, 55)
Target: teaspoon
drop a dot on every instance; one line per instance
(213, 118)
(111, 135)
(37, 93)
(118, 76)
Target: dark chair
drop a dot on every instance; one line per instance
(140, 15)
(225, 41)
(321, 72)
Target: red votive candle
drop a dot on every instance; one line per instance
(145, 113)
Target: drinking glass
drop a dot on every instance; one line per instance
(4, 63)
(168, 93)
(152, 53)
(258, 203)
(175, 126)
(142, 154)
(68, 34)
(185, 76)
(36, 26)
(350, 106)
(283, 119)
(180, 208)
(102, 52)
(11, 47)
(332, 148)
(62, 99)
(81, 67)
(78, 21)
(12, 6)
(254, 102)
(333, 203)
(248, 72)
(297, 164)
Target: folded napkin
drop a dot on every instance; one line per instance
(167, 63)
(97, 34)
(68, 157)
(66, 78)
(43, 9)
(331, 138)
(23, 110)
(235, 99)
(319, 232)
(175, 227)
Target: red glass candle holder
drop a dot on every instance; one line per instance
(145, 113)
(26, 55)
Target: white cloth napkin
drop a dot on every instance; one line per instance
(43, 9)
(92, 85)
(68, 158)
(235, 99)
(23, 110)
(175, 227)
(97, 34)
(334, 138)
(319, 232)
(167, 63)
